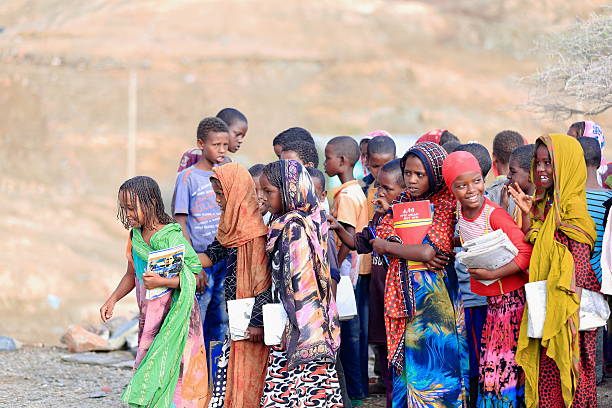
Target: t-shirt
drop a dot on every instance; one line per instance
(194, 197)
(350, 208)
(597, 211)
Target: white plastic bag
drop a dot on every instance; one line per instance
(535, 293)
(239, 313)
(345, 299)
(594, 310)
(274, 320)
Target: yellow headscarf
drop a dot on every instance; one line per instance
(553, 262)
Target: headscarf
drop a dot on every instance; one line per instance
(155, 379)
(399, 285)
(241, 226)
(553, 262)
(431, 136)
(375, 133)
(456, 164)
(593, 130)
(314, 332)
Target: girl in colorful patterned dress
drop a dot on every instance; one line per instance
(560, 366)
(423, 312)
(171, 361)
(301, 372)
(501, 381)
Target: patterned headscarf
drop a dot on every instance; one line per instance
(432, 136)
(399, 286)
(314, 328)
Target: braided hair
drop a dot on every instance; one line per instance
(143, 190)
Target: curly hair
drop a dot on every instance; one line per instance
(143, 191)
(208, 125)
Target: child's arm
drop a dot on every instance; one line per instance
(508, 269)
(344, 249)
(153, 280)
(346, 238)
(419, 253)
(125, 286)
(524, 202)
(182, 220)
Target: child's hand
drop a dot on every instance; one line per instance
(152, 280)
(106, 311)
(504, 198)
(437, 263)
(381, 205)
(522, 200)
(333, 223)
(379, 246)
(255, 334)
(479, 273)
(201, 282)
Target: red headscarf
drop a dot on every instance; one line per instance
(456, 164)
(431, 136)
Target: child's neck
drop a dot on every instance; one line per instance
(471, 213)
(591, 182)
(148, 232)
(346, 175)
(204, 164)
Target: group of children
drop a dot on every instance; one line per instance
(443, 335)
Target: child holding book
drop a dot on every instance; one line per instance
(501, 380)
(241, 240)
(423, 312)
(560, 366)
(171, 361)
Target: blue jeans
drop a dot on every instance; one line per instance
(213, 311)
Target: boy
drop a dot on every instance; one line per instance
(289, 135)
(256, 171)
(390, 185)
(301, 151)
(196, 210)
(363, 155)
(237, 125)
(349, 208)
(504, 144)
(519, 168)
(596, 197)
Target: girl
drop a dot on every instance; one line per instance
(241, 240)
(171, 361)
(559, 367)
(423, 314)
(302, 371)
(501, 381)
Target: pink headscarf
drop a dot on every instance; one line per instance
(375, 133)
(456, 164)
(431, 136)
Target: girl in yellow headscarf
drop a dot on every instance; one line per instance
(559, 367)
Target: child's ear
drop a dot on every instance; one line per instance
(201, 144)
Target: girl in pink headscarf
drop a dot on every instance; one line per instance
(591, 129)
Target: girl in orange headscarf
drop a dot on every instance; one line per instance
(241, 240)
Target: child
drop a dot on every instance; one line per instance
(390, 185)
(438, 136)
(363, 153)
(301, 151)
(519, 167)
(423, 312)
(256, 171)
(239, 379)
(504, 143)
(591, 129)
(451, 146)
(237, 125)
(302, 373)
(290, 135)
(501, 381)
(171, 362)
(596, 197)
(349, 208)
(197, 212)
(559, 367)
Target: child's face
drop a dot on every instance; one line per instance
(376, 161)
(263, 208)
(332, 163)
(388, 187)
(291, 155)
(363, 149)
(216, 186)
(319, 190)
(278, 149)
(271, 196)
(215, 147)
(543, 169)
(469, 189)
(516, 174)
(132, 210)
(415, 177)
(237, 133)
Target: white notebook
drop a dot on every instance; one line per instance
(239, 313)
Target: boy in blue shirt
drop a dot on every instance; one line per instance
(196, 209)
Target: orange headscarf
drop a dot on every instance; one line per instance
(241, 226)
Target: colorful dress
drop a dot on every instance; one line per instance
(170, 364)
(501, 381)
(424, 315)
(302, 374)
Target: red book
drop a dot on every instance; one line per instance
(411, 222)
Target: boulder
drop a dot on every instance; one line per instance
(8, 344)
(79, 340)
